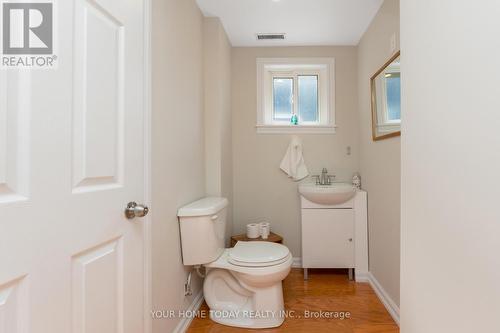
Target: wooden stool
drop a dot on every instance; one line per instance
(274, 238)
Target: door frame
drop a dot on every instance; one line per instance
(148, 113)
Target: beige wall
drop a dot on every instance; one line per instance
(178, 145)
(380, 161)
(261, 190)
(218, 142)
(450, 147)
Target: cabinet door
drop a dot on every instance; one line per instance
(327, 238)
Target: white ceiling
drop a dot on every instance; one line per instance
(305, 22)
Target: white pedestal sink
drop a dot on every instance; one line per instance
(334, 194)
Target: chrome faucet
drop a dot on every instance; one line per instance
(324, 179)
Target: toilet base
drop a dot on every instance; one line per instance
(233, 303)
(248, 323)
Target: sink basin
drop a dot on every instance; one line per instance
(333, 194)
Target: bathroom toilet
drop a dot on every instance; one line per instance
(242, 286)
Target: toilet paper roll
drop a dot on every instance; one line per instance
(264, 231)
(253, 230)
(266, 226)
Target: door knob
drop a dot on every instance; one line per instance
(135, 210)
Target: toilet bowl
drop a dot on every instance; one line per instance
(248, 292)
(243, 284)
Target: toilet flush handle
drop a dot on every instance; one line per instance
(214, 217)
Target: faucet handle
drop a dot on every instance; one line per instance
(317, 178)
(330, 179)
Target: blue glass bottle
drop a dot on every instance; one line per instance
(294, 120)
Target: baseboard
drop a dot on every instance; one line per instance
(384, 297)
(297, 262)
(194, 306)
(362, 277)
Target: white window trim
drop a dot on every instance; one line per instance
(267, 68)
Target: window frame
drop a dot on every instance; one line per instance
(270, 68)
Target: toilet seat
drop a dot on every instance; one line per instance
(223, 262)
(258, 254)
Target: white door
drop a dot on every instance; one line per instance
(71, 158)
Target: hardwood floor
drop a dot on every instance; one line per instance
(326, 290)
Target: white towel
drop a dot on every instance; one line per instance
(293, 163)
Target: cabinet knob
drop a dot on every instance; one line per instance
(350, 239)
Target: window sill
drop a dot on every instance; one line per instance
(296, 129)
(389, 128)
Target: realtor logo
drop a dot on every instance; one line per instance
(28, 34)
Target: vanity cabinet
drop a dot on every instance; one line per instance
(336, 236)
(328, 238)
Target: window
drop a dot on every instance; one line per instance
(295, 95)
(308, 98)
(282, 98)
(393, 99)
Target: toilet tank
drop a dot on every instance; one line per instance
(203, 225)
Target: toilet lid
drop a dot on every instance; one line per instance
(258, 254)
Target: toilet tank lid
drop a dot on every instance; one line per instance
(203, 207)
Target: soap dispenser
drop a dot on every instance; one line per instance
(356, 181)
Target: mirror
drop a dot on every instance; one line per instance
(386, 100)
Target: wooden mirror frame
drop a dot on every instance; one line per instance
(374, 102)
